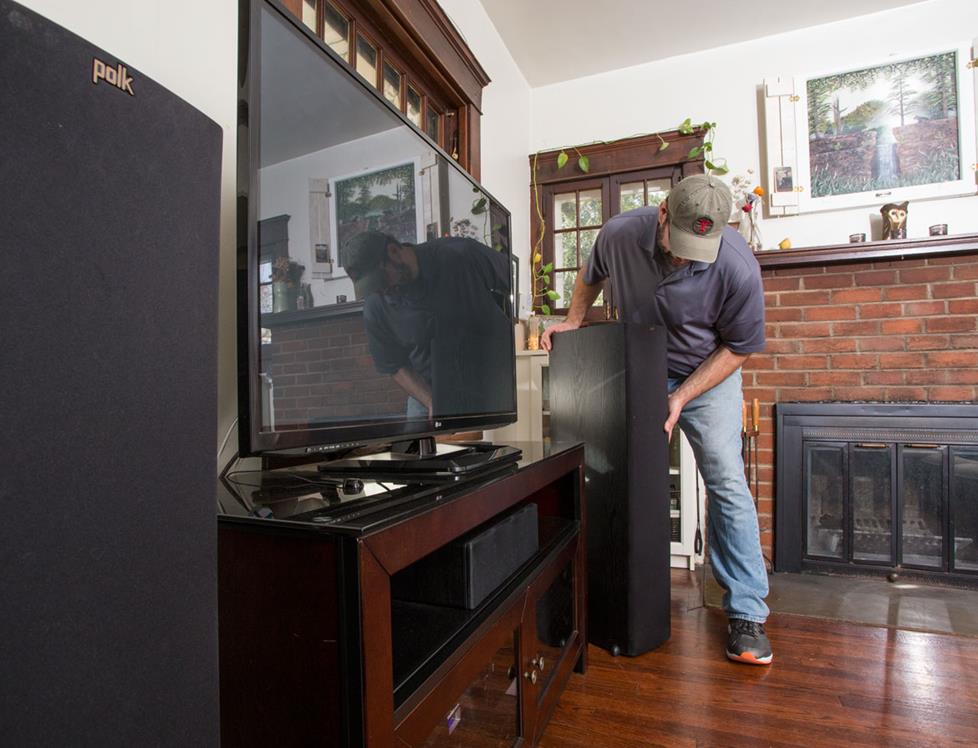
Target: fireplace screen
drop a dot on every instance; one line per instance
(874, 497)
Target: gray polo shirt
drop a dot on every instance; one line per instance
(701, 305)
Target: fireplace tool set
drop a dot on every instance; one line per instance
(749, 433)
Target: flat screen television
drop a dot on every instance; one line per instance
(375, 277)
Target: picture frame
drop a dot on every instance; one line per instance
(902, 128)
(386, 199)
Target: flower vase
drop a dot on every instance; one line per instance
(283, 297)
(533, 333)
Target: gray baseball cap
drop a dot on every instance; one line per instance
(699, 207)
(363, 259)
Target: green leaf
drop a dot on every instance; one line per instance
(706, 126)
(720, 170)
(479, 206)
(547, 268)
(663, 146)
(686, 127)
(498, 247)
(694, 152)
(545, 309)
(708, 146)
(545, 278)
(584, 164)
(553, 295)
(561, 160)
(709, 165)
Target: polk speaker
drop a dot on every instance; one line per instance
(109, 223)
(608, 390)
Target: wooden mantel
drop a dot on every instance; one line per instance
(893, 249)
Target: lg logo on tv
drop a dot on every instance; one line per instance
(118, 76)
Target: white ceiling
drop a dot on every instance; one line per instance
(557, 40)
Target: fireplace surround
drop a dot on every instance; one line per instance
(868, 487)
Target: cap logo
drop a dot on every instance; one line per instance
(702, 225)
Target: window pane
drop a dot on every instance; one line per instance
(923, 489)
(431, 123)
(600, 300)
(566, 250)
(631, 196)
(872, 521)
(564, 286)
(309, 13)
(414, 106)
(565, 210)
(587, 243)
(964, 509)
(590, 207)
(366, 60)
(392, 85)
(658, 190)
(336, 32)
(824, 500)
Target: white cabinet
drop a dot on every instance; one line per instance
(683, 499)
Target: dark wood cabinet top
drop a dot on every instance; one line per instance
(891, 249)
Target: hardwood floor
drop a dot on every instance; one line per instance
(832, 684)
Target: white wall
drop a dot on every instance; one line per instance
(505, 122)
(721, 85)
(190, 47)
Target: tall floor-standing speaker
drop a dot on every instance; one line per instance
(109, 223)
(608, 389)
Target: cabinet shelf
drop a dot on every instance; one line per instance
(424, 636)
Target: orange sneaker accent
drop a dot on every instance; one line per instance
(749, 659)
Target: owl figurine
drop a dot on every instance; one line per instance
(895, 220)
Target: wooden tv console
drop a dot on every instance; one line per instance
(315, 651)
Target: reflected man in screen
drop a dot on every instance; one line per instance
(438, 320)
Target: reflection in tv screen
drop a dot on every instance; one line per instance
(384, 273)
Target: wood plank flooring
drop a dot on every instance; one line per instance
(832, 684)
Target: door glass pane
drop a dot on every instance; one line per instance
(590, 207)
(554, 628)
(336, 31)
(631, 196)
(414, 106)
(872, 521)
(587, 244)
(923, 494)
(567, 250)
(658, 190)
(487, 714)
(392, 85)
(366, 60)
(309, 13)
(964, 509)
(564, 286)
(431, 123)
(565, 210)
(824, 500)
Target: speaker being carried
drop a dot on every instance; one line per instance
(608, 390)
(109, 229)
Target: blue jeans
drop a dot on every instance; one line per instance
(712, 423)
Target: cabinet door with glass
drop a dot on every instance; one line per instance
(685, 493)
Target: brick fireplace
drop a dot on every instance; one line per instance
(883, 322)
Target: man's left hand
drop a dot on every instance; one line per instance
(675, 408)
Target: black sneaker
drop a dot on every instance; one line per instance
(747, 642)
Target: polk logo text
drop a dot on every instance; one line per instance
(117, 76)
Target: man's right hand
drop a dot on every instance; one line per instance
(545, 342)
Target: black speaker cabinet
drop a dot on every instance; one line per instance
(109, 223)
(608, 389)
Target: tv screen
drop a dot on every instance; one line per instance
(375, 276)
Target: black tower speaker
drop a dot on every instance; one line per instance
(608, 390)
(109, 223)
